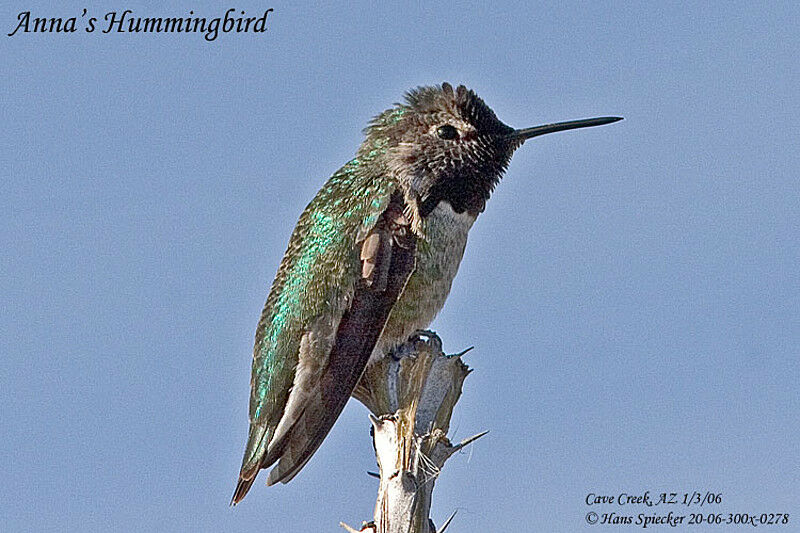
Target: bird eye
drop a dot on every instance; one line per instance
(447, 132)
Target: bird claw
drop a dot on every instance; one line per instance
(428, 338)
(403, 351)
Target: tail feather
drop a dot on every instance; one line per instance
(253, 461)
(241, 489)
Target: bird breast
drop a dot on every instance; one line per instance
(439, 252)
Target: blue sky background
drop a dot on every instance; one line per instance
(632, 290)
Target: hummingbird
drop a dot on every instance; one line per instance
(371, 261)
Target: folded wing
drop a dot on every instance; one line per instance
(322, 385)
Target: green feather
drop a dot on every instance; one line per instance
(315, 277)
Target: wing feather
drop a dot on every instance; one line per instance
(356, 336)
(301, 324)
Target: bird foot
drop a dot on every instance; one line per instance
(406, 350)
(428, 338)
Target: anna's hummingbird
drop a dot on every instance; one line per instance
(370, 261)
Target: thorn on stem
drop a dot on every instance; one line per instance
(364, 526)
(467, 441)
(459, 354)
(447, 522)
(376, 422)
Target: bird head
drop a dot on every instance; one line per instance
(447, 144)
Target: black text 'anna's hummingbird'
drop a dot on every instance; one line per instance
(370, 262)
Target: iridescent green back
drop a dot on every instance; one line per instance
(317, 273)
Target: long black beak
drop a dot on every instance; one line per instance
(528, 133)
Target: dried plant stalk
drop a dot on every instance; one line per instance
(411, 395)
